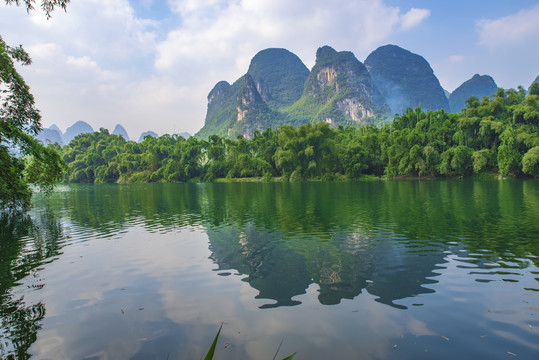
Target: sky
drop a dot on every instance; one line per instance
(149, 65)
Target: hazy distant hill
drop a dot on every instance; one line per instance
(478, 86)
(54, 127)
(50, 136)
(405, 79)
(147, 133)
(80, 127)
(185, 135)
(119, 130)
(535, 81)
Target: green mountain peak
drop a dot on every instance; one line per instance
(405, 79)
(339, 90)
(478, 86)
(279, 76)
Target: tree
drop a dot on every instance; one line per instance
(47, 6)
(530, 162)
(24, 161)
(508, 156)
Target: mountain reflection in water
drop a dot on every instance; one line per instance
(398, 242)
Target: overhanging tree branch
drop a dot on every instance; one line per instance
(47, 6)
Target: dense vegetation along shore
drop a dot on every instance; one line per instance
(499, 134)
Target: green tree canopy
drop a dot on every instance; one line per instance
(24, 161)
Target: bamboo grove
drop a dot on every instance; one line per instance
(497, 135)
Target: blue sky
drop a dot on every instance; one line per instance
(150, 64)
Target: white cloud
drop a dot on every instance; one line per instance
(456, 58)
(215, 31)
(39, 19)
(216, 39)
(100, 63)
(414, 17)
(84, 62)
(514, 29)
(42, 51)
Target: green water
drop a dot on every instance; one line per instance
(339, 270)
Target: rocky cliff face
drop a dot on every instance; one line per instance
(478, 86)
(405, 79)
(248, 98)
(275, 80)
(221, 112)
(252, 112)
(216, 98)
(340, 90)
(278, 89)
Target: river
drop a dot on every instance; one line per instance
(333, 270)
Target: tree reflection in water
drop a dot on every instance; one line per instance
(27, 242)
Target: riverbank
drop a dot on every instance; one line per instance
(480, 176)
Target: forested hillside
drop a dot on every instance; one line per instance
(499, 134)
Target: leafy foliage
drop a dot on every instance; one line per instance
(497, 134)
(24, 161)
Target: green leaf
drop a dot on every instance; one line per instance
(279, 348)
(211, 352)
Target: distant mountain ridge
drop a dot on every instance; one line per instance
(278, 89)
(56, 128)
(119, 130)
(50, 136)
(478, 86)
(80, 127)
(53, 134)
(405, 79)
(146, 133)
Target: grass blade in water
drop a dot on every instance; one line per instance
(209, 356)
(279, 348)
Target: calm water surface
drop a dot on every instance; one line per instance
(370, 270)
